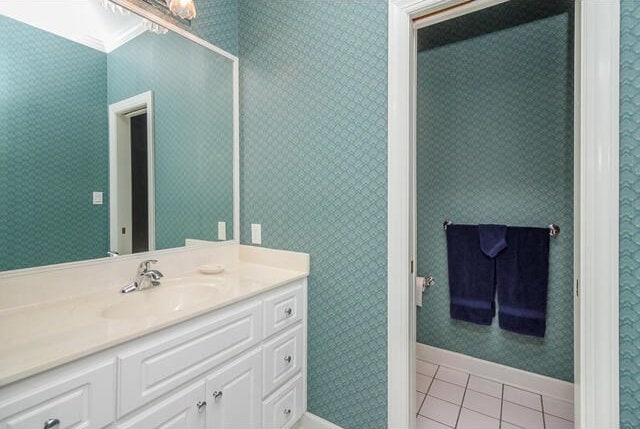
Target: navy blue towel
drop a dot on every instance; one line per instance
(471, 276)
(493, 239)
(522, 272)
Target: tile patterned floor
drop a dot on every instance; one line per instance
(447, 398)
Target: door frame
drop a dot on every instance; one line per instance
(117, 110)
(596, 207)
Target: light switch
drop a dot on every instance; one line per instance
(222, 230)
(97, 198)
(256, 233)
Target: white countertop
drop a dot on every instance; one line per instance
(41, 336)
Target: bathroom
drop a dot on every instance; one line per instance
(312, 101)
(495, 132)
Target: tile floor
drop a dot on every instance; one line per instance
(447, 398)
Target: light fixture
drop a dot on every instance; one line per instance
(108, 5)
(185, 9)
(153, 27)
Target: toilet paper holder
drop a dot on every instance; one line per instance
(425, 282)
(422, 283)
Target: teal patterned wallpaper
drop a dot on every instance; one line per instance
(53, 125)
(495, 145)
(629, 215)
(314, 159)
(193, 125)
(217, 23)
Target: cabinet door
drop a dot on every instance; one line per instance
(185, 409)
(234, 394)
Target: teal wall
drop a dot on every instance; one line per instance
(495, 145)
(53, 96)
(314, 159)
(629, 215)
(217, 22)
(193, 126)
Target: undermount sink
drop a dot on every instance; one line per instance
(161, 299)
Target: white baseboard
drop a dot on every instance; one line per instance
(311, 421)
(494, 371)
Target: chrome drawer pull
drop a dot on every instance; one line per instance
(288, 359)
(288, 311)
(217, 395)
(286, 411)
(201, 405)
(52, 424)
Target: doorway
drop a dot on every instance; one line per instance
(131, 191)
(494, 125)
(139, 184)
(596, 205)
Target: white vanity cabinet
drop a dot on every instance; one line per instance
(241, 366)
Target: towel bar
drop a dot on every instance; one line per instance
(554, 230)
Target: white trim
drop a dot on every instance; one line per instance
(463, 9)
(86, 40)
(417, 8)
(400, 357)
(598, 395)
(311, 421)
(151, 174)
(140, 101)
(173, 27)
(577, 341)
(530, 381)
(597, 373)
(124, 37)
(236, 151)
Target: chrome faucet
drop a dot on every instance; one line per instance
(145, 278)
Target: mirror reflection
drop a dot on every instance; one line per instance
(115, 135)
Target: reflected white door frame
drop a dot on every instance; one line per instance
(119, 130)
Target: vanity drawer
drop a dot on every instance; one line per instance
(83, 400)
(166, 363)
(281, 359)
(284, 407)
(283, 308)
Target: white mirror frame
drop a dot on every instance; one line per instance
(597, 34)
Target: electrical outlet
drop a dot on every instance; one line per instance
(222, 231)
(256, 233)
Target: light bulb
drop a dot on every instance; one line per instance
(185, 9)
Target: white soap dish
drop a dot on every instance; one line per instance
(211, 268)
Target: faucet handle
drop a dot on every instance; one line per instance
(144, 265)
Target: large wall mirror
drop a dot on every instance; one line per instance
(117, 136)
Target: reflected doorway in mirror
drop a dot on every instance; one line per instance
(131, 175)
